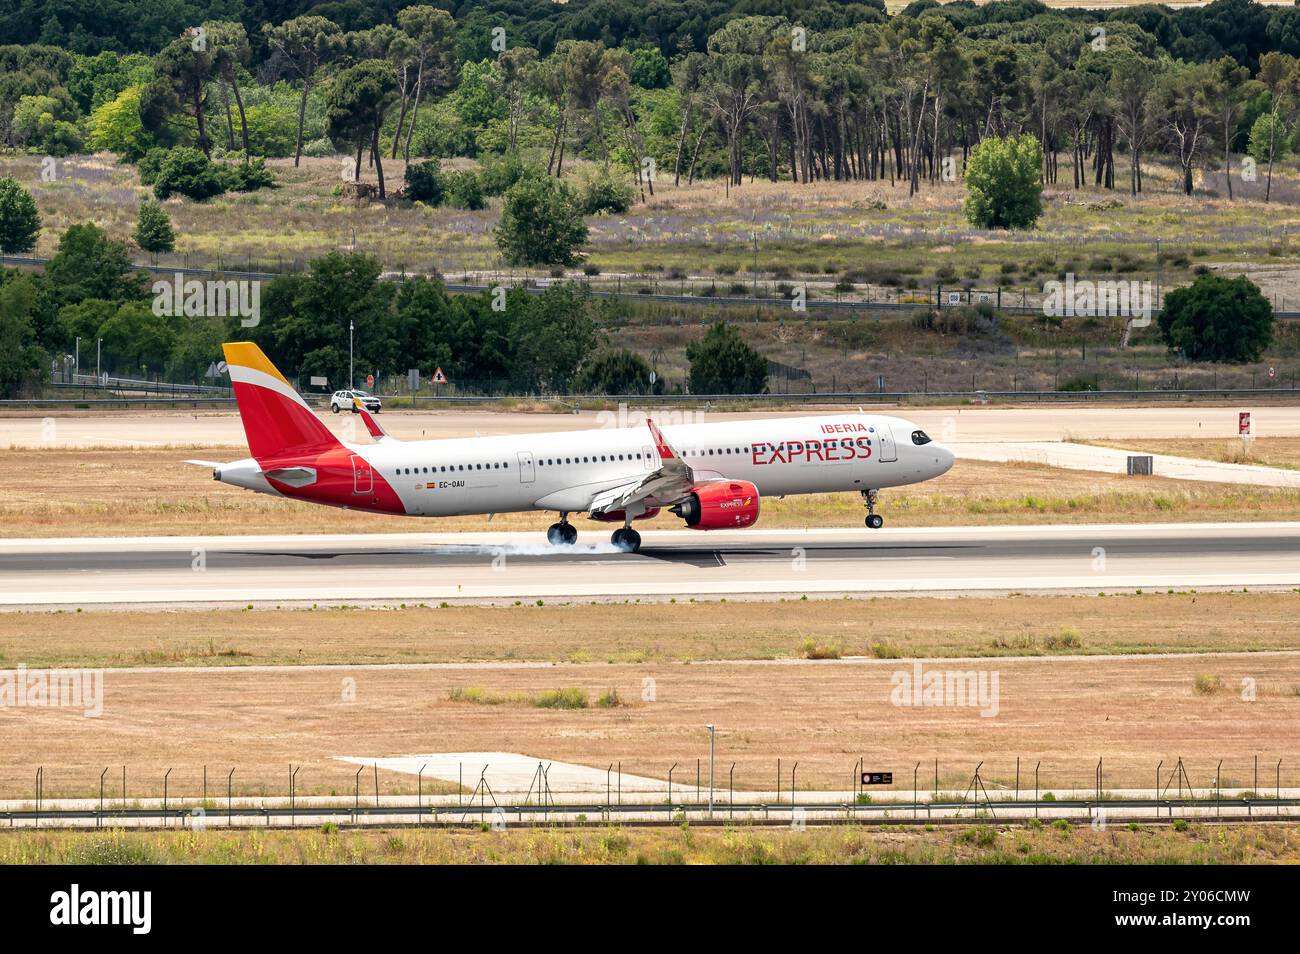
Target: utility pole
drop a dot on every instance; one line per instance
(350, 378)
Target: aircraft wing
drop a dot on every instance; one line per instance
(665, 485)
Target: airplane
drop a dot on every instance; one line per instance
(712, 476)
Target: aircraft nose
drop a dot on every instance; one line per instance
(944, 459)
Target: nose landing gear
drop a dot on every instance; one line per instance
(874, 520)
(562, 533)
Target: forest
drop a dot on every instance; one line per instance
(198, 95)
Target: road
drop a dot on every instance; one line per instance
(64, 430)
(486, 567)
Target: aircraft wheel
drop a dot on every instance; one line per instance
(875, 521)
(555, 534)
(627, 539)
(569, 534)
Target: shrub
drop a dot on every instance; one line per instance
(1002, 183)
(248, 176)
(562, 699)
(814, 650)
(424, 182)
(604, 193)
(497, 175)
(153, 229)
(463, 190)
(1218, 319)
(149, 164)
(188, 172)
(541, 223)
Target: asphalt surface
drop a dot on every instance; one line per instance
(487, 567)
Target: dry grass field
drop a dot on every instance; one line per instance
(1264, 451)
(1132, 711)
(981, 844)
(140, 492)
(660, 632)
(705, 229)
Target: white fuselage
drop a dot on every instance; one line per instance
(565, 471)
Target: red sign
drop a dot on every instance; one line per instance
(370, 380)
(1243, 423)
(1272, 372)
(439, 377)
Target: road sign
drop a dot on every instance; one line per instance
(439, 377)
(954, 298)
(319, 382)
(1245, 426)
(1272, 372)
(877, 778)
(370, 380)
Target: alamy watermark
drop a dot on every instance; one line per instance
(971, 688)
(53, 688)
(1084, 298)
(240, 298)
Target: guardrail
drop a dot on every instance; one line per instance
(669, 812)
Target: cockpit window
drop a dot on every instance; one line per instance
(920, 437)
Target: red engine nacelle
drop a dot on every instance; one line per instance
(720, 504)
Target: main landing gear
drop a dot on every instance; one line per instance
(625, 538)
(562, 533)
(874, 520)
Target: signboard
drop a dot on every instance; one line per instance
(370, 381)
(413, 379)
(1272, 372)
(215, 369)
(439, 377)
(877, 778)
(954, 298)
(1245, 426)
(319, 382)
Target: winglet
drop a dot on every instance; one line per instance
(377, 432)
(665, 450)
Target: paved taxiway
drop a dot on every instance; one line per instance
(419, 567)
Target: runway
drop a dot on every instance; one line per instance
(486, 567)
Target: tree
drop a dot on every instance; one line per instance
(1003, 189)
(721, 363)
(89, 264)
(1185, 94)
(305, 43)
(1270, 140)
(20, 357)
(183, 70)
(1230, 89)
(616, 371)
(1279, 74)
(1218, 319)
(20, 222)
(430, 32)
(116, 127)
(356, 108)
(229, 44)
(153, 229)
(541, 223)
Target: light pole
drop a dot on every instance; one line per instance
(350, 379)
(98, 343)
(711, 729)
(76, 360)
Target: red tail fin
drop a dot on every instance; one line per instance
(276, 418)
